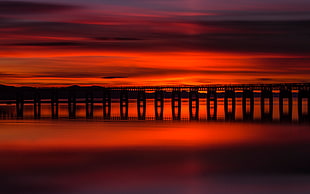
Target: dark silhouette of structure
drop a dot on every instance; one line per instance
(212, 104)
(124, 104)
(72, 103)
(91, 95)
(54, 104)
(266, 103)
(37, 105)
(248, 104)
(106, 103)
(159, 104)
(141, 105)
(19, 104)
(304, 96)
(176, 104)
(193, 105)
(230, 103)
(286, 107)
(89, 104)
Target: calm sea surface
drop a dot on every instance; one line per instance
(131, 156)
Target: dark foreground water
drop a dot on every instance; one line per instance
(96, 156)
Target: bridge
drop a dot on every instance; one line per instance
(104, 95)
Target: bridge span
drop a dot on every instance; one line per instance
(211, 93)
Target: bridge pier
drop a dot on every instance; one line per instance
(212, 104)
(72, 104)
(304, 95)
(176, 101)
(286, 93)
(266, 97)
(37, 97)
(141, 105)
(124, 104)
(106, 104)
(19, 105)
(248, 104)
(54, 104)
(159, 105)
(194, 105)
(37, 105)
(89, 100)
(230, 104)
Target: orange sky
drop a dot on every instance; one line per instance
(126, 44)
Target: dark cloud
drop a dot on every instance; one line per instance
(256, 36)
(6, 75)
(48, 44)
(254, 15)
(116, 38)
(114, 72)
(68, 74)
(112, 77)
(23, 7)
(264, 79)
(290, 37)
(299, 64)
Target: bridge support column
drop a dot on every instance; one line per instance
(266, 100)
(159, 105)
(286, 93)
(141, 105)
(212, 104)
(89, 100)
(230, 104)
(54, 104)
(106, 104)
(37, 105)
(304, 96)
(176, 104)
(248, 104)
(72, 104)
(19, 104)
(194, 105)
(124, 104)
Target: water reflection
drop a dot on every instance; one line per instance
(94, 156)
(122, 145)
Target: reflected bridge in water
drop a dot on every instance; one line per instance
(19, 97)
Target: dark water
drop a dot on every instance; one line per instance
(108, 156)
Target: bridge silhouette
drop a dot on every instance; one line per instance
(104, 95)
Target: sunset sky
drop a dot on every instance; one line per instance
(148, 42)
